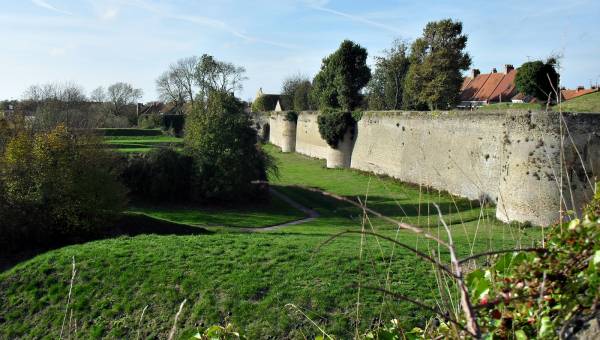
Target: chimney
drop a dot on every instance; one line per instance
(138, 109)
(580, 88)
(508, 68)
(494, 70)
(475, 72)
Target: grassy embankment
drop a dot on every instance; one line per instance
(586, 103)
(249, 278)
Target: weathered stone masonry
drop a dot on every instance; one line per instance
(509, 158)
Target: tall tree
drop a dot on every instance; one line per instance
(183, 74)
(296, 90)
(342, 76)
(214, 75)
(221, 140)
(121, 95)
(387, 84)
(437, 60)
(98, 95)
(169, 89)
(538, 79)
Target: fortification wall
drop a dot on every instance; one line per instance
(459, 153)
(509, 158)
(308, 139)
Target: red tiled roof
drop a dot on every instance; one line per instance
(471, 89)
(486, 90)
(570, 94)
(506, 89)
(489, 87)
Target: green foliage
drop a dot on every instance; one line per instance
(291, 116)
(541, 294)
(434, 77)
(537, 79)
(149, 121)
(56, 184)
(342, 76)
(173, 123)
(161, 175)
(297, 89)
(223, 144)
(266, 102)
(386, 88)
(333, 125)
(217, 332)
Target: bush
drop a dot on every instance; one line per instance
(149, 121)
(333, 126)
(538, 79)
(342, 76)
(223, 144)
(54, 185)
(173, 123)
(291, 116)
(161, 175)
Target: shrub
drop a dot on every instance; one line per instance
(149, 121)
(173, 123)
(223, 144)
(538, 79)
(333, 126)
(161, 175)
(342, 76)
(56, 184)
(291, 116)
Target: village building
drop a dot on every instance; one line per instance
(485, 88)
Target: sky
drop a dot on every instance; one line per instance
(100, 42)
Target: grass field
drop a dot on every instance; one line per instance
(586, 103)
(250, 278)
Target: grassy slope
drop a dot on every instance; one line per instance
(255, 216)
(586, 103)
(250, 276)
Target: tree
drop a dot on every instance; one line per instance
(98, 95)
(342, 76)
(169, 89)
(538, 79)
(121, 95)
(387, 84)
(437, 59)
(183, 74)
(296, 89)
(57, 103)
(218, 76)
(220, 139)
(55, 184)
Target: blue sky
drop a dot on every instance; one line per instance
(99, 42)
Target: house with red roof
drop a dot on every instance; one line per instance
(580, 91)
(484, 88)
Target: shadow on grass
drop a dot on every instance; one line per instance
(461, 210)
(127, 225)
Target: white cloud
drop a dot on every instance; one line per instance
(44, 4)
(320, 6)
(209, 22)
(109, 13)
(57, 52)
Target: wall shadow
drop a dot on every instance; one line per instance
(127, 225)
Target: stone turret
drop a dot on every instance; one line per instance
(341, 156)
